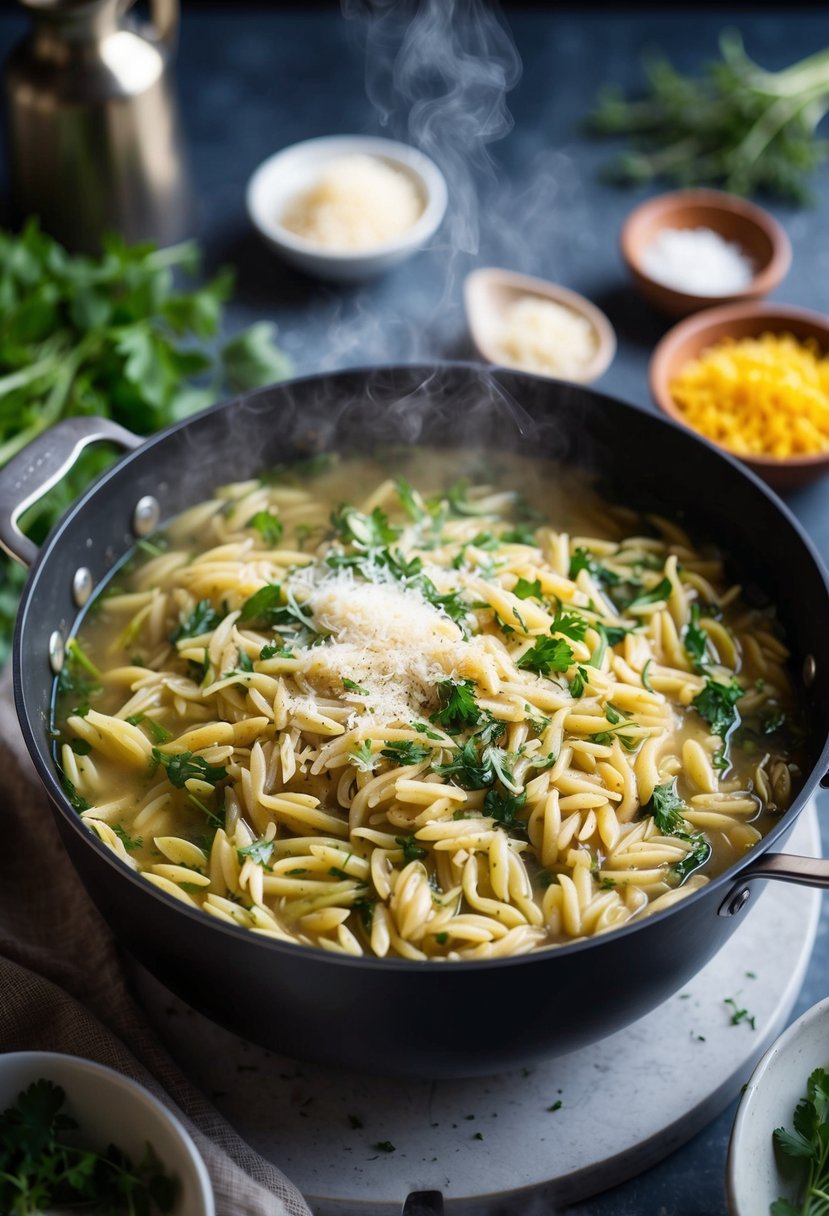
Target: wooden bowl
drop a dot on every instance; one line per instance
(735, 219)
(489, 292)
(690, 337)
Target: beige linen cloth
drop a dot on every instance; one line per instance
(62, 987)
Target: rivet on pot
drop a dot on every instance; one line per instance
(57, 652)
(734, 902)
(146, 515)
(809, 670)
(82, 585)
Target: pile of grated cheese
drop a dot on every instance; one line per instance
(765, 396)
(357, 202)
(544, 336)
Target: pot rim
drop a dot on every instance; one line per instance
(46, 770)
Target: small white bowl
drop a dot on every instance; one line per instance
(488, 293)
(778, 1083)
(287, 174)
(111, 1109)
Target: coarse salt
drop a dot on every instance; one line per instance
(698, 261)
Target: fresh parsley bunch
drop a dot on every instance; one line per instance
(736, 125)
(40, 1169)
(116, 336)
(809, 1144)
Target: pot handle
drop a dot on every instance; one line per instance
(785, 867)
(423, 1203)
(38, 467)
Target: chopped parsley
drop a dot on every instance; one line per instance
(159, 733)
(716, 705)
(526, 590)
(385, 1146)
(740, 1015)
(182, 767)
(666, 808)
(571, 624)
(263, 607)
(76, 800)
(695, 640)
(547, 655)
(662, 591)
(202, 619)
(268, 525)
(408, 500)
(371, 531)
(583, 559)
(130, 843)
(351, 686)
(406, 752)
(363, 758)
(458, 707)
(504, 808)
(412, 851)
(260, 852)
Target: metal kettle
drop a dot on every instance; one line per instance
(95, 140)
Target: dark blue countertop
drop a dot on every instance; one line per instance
(253, 81)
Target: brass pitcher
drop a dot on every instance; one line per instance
(95, 140)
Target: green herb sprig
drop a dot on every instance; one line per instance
(40, 1169)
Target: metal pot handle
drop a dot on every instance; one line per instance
(786, 867)
(38, 467)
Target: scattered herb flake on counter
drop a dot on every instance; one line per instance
(736, 125)
(809, 1144)
(740, 1015)
(40, 1170)
(118, 336)
(385, 1146)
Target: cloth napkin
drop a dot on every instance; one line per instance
(62, 986)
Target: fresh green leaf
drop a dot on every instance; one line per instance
(716, 704)
(666, 809)
(412, 851)
(259, 851)
(583, 559)
(547, 655)
(661, 591)
(203, 619)
(695, 640)
(182, 767)
(268, 525)
(525, 590)
(252, 359)
(458, 707)
(406, 752)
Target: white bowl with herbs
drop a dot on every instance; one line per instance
(778, 1157)
(77, 1136)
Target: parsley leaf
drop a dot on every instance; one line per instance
(129, 842)
(695, 640)
(412, 851)
(504, 808)
(526, 590)
(181, 767)
(571, 624)
(583, 559)
(458, 707)
(268, 526)
(406, 752)
(363, 758)
(665, 807)
(371, 531)
(262, 609)
(547, 655)
(259, 851)
(807, 1142)
(352, 686)
(661, 591)
(202, 619)
(716, 705)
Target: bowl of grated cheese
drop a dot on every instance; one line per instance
(754, 380)
(535, 326)
(346, 207)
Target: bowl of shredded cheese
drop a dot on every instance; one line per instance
(692, 249)
(754, 380)
(346, 207)
(535, 326)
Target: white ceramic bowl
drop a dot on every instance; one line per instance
(109, 1108)
(753, 1178)
(288, 173)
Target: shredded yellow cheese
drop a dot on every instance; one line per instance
(765, 396)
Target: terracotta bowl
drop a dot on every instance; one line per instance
(690, 337)
(735, 219)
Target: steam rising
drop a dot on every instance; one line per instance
(439, 79)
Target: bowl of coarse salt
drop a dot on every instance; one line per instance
(692, 249)
(346, 207)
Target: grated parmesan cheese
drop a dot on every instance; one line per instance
(544, 336)
(357, 202)
(765, 396)
(386, 639)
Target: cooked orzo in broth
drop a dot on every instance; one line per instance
(392, 715)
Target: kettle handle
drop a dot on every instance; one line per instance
(164, 15)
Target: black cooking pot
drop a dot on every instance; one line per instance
(390, 1015)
